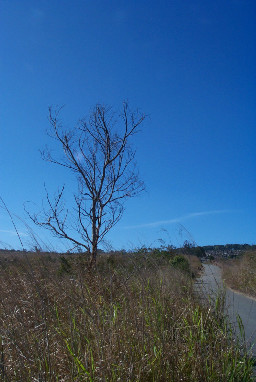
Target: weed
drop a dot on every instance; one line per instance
(135, 318)
(240, 273)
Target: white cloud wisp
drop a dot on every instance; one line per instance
(11, 232)
(178, 219)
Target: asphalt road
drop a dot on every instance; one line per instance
(236, 303)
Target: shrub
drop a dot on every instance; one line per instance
(181, 263)
(65, 266)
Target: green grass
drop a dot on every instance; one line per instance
(135, 318)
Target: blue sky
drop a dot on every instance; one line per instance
(189, 65)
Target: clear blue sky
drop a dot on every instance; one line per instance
(190, 65)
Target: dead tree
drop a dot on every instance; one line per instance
(99, 154)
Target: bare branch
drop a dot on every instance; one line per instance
(99, 154)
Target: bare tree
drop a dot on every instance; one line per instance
(98, 152)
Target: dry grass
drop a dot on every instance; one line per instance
(134, 319)
(240, 274)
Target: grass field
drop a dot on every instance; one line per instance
(240, 274)
(134, 318)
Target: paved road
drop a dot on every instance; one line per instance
(236, 303)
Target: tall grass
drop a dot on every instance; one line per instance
(240, 273)
(136, 318)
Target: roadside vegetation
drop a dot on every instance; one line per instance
(240, 273)
(135, 317)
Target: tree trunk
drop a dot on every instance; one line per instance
(93, 256)
(94, 239)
